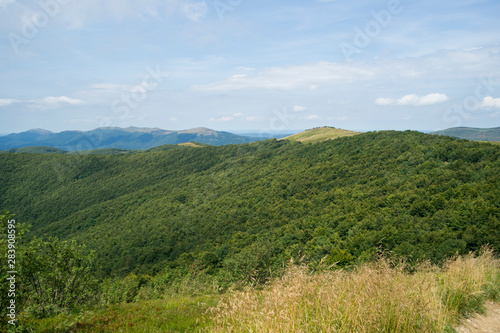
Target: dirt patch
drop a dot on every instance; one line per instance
(489, 323)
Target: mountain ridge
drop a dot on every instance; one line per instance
(135, 138)
(472, 133)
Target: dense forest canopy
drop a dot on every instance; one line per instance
(249, 207)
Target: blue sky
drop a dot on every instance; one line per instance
(249, 65)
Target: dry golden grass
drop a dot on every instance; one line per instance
(319, 134)
(465, 282)
(376, 297)
(189, 144)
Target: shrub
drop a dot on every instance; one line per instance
(58, 276)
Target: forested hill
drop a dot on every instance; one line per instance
(469, 133)
(244, 208)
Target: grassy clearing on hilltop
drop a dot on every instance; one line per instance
(319, 134)
(191, 144)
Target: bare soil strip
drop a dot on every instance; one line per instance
(489, 323)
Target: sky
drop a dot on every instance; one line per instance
(249, 65)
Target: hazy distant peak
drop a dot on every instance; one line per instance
(197, 130)
(118, 138)
(471, 133)
(39, 131)
(144, 129)
(132, 129)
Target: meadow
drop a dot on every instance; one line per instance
(386, 295)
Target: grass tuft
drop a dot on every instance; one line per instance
(375, 297)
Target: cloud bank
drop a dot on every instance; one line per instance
(413, 100)
(49, 101)
(490, 103)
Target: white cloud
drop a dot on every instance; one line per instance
(226, 118)
(313, 117)
(384, 101)
(238, 114)
(298, 108)
(49, 101)
(414, 100)
(242, 68)
(487, 103)
(60, 100)
(430, 99)
(251, 118)
(411, 99)
(292, 77)
(194, 11)
(425, 100)
(433, 67)
(4, 102)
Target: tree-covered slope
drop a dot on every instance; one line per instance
(469, 133)
(242, 208)
(35, 149)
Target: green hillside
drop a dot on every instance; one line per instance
(236, 210)
(319, 134)
(106, 151)
(35, 149)
(469, 133)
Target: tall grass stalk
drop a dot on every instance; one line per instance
(374, 297)
(466, 281)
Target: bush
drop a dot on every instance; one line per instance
(123, 290)
(58, 276)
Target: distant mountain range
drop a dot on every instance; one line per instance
(113, 140)
(469, 133)
(118, 138)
